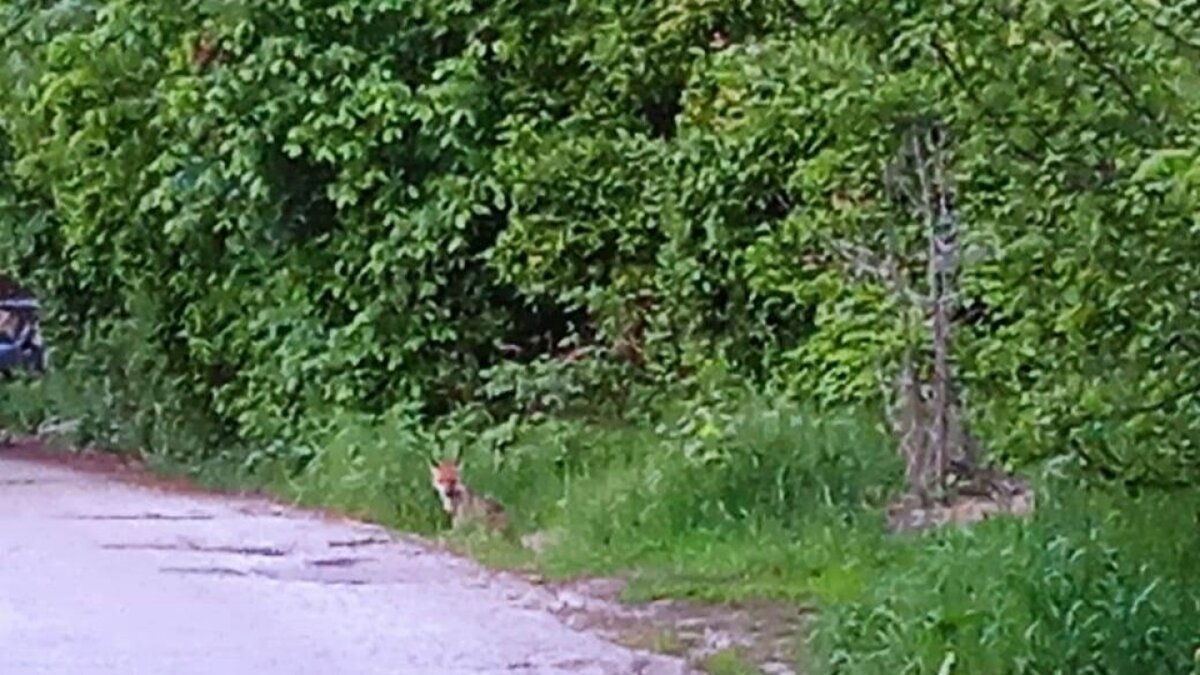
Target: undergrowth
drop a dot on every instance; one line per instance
(760, 499)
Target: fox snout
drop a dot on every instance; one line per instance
(445, 478)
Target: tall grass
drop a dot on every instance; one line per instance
(1099, 582)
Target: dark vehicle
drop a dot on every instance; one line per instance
(21, 345)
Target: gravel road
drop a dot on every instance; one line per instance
(101, 576)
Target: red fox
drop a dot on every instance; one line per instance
(463, 505)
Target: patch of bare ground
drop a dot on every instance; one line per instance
(980, 495)
(132, 469)
(763, 633)
(86, 461)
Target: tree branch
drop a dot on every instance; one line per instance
(1164, 29)
(20, 24)
(960, 79)
(886, 269)
(1070, 32)
(1160, 404)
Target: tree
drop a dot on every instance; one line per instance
(946, 481)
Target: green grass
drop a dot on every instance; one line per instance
(765, 500)
(728, 662)
(1098, 582)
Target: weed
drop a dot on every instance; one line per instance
(728, 662)
(661, 641)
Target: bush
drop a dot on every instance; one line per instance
(353, 207)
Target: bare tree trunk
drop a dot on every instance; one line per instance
(922, 161)
(923, 406)
(913, 430)
(942, 230)
(929, 427)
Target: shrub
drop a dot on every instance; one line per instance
(356, 206)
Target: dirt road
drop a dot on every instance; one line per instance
(101, 576)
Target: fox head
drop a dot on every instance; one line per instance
(445, 479)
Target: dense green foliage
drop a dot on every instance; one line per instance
(326, 238)
(353, 205)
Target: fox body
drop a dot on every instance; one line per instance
(463, 505)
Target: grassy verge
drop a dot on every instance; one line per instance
(775, 501)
